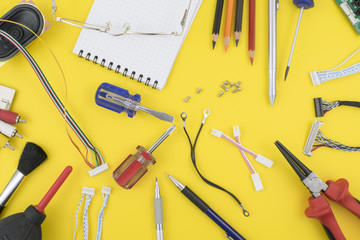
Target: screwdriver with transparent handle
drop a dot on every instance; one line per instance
(120, 100)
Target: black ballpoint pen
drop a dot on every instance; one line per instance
(231, 233)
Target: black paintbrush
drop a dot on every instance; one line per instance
(31, 157)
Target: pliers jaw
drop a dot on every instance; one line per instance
(308, 177)
(315, 184)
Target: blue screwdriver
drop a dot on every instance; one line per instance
(120, 100)
(302, 4)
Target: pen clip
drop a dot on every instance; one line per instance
(227, 235)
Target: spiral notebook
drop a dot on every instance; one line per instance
(148, 59)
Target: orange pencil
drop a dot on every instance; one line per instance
(228, 23)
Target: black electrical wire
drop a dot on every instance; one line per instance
(193, 159)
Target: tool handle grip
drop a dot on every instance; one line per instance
(320, 208)
(339, 192)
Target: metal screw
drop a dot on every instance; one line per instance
(220, 94)
(231, 84)
(225, 88)
(187, 99)
(226, 82)
(236, 90)
(198, 91)
(237, 84)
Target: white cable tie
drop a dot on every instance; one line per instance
(311, 138)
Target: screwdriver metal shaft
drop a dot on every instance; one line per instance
(161, 139)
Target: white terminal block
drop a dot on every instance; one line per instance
(7, 129)
(106, 190)
(315, 78)
(264, 161)
(216, 133)
(257, 181)
(311, 138)
(236, 131)
(6, 97)
(88, 191)
(99, 169)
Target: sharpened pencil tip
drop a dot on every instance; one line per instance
(237, 42)
(226, 48)
(286, 72)
(251, 61)
(214, 43)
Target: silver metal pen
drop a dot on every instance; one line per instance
(273, 7)
(158, 213)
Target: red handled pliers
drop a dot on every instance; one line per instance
(319, 207)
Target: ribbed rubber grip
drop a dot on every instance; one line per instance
(158, 211)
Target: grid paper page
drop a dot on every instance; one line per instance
(148, 57)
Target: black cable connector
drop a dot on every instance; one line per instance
(319, 110)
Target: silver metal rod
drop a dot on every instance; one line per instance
(161, 139)
(11, 187)
(273, 7)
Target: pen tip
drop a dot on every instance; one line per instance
(156, 179)
(214, 43)
(286, 72)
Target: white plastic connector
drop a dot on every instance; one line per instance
(264, 161)
(99, 169)
(257, 181)
(88, 191)
(236, 131)
(106, 190)
(6, 97)
(311, 138)
(7, 129)
(315, 78)
(216, 133)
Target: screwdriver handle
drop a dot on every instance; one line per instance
(320, 208)
(339, 192)
(306, 4)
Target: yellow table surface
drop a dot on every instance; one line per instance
(277, 212)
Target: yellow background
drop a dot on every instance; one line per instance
(277, 212)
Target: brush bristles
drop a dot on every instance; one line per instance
(31, 157)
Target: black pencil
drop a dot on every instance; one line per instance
(217, 21)
(238, 20)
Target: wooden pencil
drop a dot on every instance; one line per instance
(217, 21)
(252, 5)
(238, 20)
(228, 23)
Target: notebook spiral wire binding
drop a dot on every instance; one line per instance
(95, 59)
